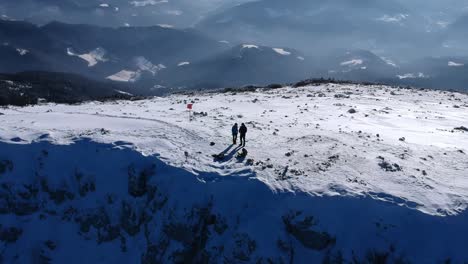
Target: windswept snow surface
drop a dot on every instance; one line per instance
(289, 120)
(390, 174)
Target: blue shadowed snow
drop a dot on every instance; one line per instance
(240, 211)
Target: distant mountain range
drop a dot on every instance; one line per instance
(115, 13)
(157, 59)
(318, 26)
(244, 64)
(122, 54)
(153, 57)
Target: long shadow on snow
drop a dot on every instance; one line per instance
(225, 158)
(251, 206)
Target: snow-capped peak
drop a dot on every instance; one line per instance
(281, 51)
(455, 64)
(143, 3)
(184, 63)
(354, 62)
(249, 46)
(22, 52)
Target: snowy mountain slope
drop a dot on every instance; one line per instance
(242, 65)
(28, 88)
(322, 26)
(98, 52)
(436, 72)
(387, 180)
(358, 65)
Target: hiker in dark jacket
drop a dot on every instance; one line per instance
(242, 131)
(235, 131)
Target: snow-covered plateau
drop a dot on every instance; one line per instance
(334, 174)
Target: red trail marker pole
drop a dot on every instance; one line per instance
(189, 108)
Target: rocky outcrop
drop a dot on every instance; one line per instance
(131, 218)
(193, 234)
(86, 184)
(301, 228)
(19, 199)
(57, 194)
(6, 166)
(387, 166)
(152, 255)
(243, 250)
(99, 220)
(138, 180)
(10, 234)
(462, 128)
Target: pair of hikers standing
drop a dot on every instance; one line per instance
(242, 131)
